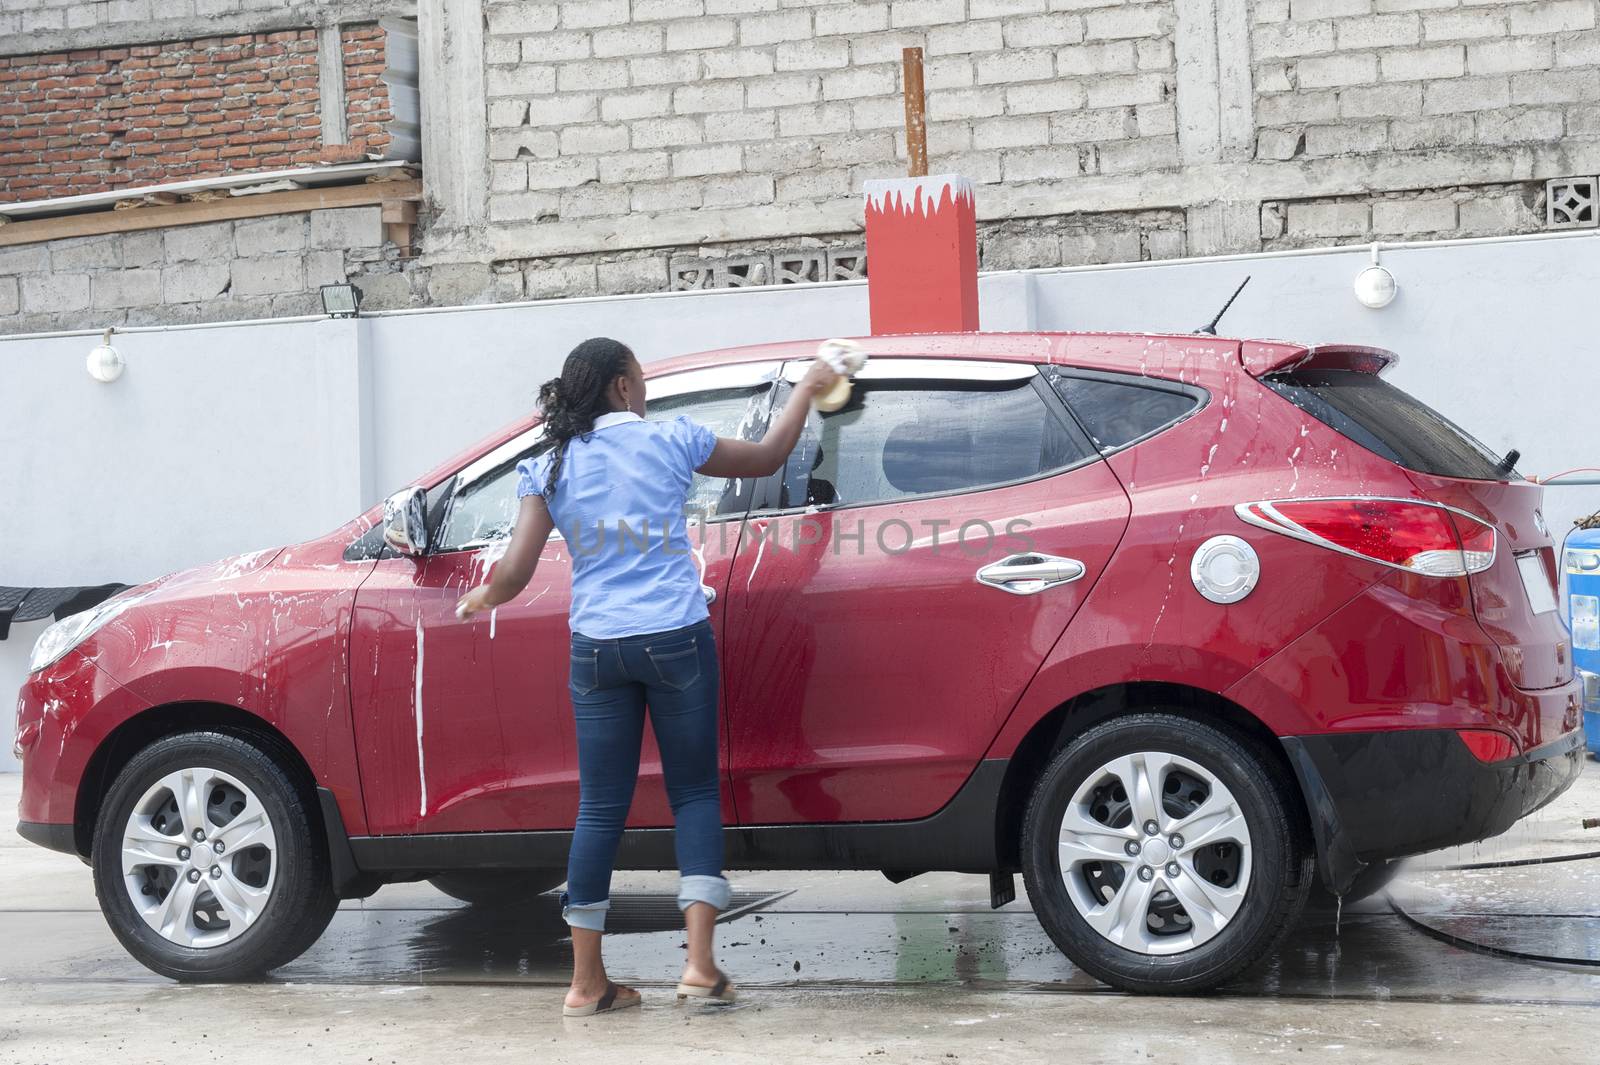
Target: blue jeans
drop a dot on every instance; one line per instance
(612, 681)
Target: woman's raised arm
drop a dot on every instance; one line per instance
(752, 458)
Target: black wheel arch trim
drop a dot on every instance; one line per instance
(348, 880)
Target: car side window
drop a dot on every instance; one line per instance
(1117, 413)
(731, 412)
(484, 508)
(907, 438)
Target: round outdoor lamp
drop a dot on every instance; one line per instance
(105, 362)
(1375, 286)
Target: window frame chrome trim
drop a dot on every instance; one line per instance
(926, 368)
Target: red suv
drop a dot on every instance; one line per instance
(1172, 625)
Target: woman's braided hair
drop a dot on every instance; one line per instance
(570, 403)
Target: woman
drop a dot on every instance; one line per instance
(640, 633)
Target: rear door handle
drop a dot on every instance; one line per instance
(1030, 573)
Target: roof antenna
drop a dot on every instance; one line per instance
(1211, 326)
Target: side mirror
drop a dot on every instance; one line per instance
(405, 521)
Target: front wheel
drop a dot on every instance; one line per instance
(208, 860)
(1163, 855)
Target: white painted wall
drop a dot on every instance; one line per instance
(233, 437)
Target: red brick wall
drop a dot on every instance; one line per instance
(366, 96)
(99, 119)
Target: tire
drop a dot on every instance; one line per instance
(279, 875)
(497, 888)
(1255, 870)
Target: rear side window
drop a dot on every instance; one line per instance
(908, 438)
(1118, 413)
(1389, 422)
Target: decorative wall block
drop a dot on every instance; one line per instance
(778, 268)
(1570, 202)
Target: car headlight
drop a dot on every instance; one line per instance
(72, 630)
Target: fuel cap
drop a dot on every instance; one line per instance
(1225, 569)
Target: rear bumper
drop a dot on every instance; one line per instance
(55, 837)
(1375, 796)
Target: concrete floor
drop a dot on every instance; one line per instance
(842, 967)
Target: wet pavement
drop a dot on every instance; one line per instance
(1474, 963)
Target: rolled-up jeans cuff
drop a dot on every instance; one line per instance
(712, 889)
(588, 915)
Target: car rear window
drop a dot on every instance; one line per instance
(1389, 422)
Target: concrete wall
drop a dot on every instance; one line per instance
(234, 437)
(250, 268)
(649, 139)
(582, 147)
(35, 26)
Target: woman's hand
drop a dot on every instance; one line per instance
(511, 574)
(749, 458)
(818, 379)
(473, 602)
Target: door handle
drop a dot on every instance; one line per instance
(1030, 573)
(709, 592)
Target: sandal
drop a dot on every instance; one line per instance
(722, 991)
(606, 1003)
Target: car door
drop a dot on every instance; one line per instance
(933, 539)
(466, 725)
(422, 692)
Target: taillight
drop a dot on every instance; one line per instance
(1477, 541)
(1408, 534)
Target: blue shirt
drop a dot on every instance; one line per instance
(619, 503)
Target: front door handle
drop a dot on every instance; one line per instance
(709, 592)
(1030, 573)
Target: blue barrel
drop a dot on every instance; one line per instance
(1582, 563)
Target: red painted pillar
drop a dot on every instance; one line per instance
(922, 255)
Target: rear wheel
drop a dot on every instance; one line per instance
(209, 862)
(1162, 854)
(497, 887)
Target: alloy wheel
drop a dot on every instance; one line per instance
(1155, 853)
(199, 857)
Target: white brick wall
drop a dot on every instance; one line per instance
(683, 105)
(1335, 77)
(1471, 211)
(727, 124)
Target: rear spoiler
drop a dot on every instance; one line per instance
(1261, 358)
